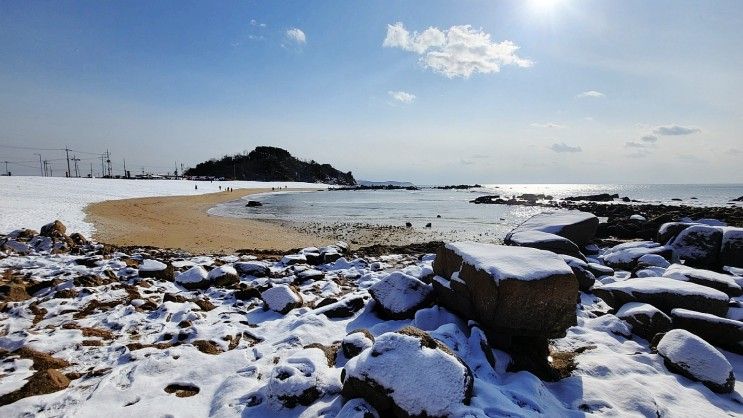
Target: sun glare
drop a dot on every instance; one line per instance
(544, 6)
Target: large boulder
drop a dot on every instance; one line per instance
(627, 255)
(454, 295)
(722, 332)
(665, 294)
(646, 320)
(579, 227)
(54, 229)
(722, 282)
(223, 276)
(698, 245)
(690, 356)
(408, 373)
(282, 298)
(515, 290)
(731, 251)
(582, 272)
(544, 241)
(194, 278)
(669, 230)
(399, 295)
(252, 268)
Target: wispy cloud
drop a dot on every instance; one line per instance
(563, 147)
(548, 125)
(459, 51)
(675, 130)
(254, 22)
(296, 35)
(633, 144)
(649, 139)
(402, 96)
(591, 94)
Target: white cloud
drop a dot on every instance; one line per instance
(296, 35)
(459, 51)
(590, 93)
(633, 144)
(563, 147)
(254, 22)
(675, 130)
(402, 96)
(548, 125)
(649, 138)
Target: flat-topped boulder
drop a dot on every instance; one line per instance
(722, 332)
(281, 298)
(722, 282)
(399, 295)
(665, 294)
(156, 269)
(690, 356)
(627, 255)
(252, 268)
(515, 290)
(579, 227)
(544, 241)
(646, 320)
(409, 374)
(698, 245)
(731, 250)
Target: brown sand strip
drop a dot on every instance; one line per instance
(182, 222)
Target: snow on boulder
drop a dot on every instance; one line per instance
(399, 295)
(356, 341)
(626, 256)
(454, 295)
(638, 217)
(357, 408)
(579, 227)
(194, 278)
(722, 332)
(646, 320)
(669, 230)
(515, 290)
(652, 260)
(252, 268)
(665, 294)
(156, 269)
(722, 282)
(600, 270)
(281, 298)
(698, 245)
(731, 251)
(692, 357)
(409, 373)
(302, 379)
(223, 276)
(544, 241)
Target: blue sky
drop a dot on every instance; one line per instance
(429, 91)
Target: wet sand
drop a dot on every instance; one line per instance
(182, 222)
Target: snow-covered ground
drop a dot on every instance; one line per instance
(31, 202)
(161, 343)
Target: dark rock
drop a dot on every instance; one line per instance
(40, 383)
(646, 320)
(253, 204)
(343, 308)
(731, 251)
(603, 197)
(586, 278)
(544, 241)
(578, 227)
(399, 295)
(356, 341)
(722, 282)
(55, 229)
(698, 245)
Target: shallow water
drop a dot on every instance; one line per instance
(459, 219)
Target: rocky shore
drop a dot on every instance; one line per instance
(550, 323)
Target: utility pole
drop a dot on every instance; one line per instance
(7, 173)
(103, 171)
(75, 160)
(67, 152)
(45, 170)
(108, 162)
(41, 167)
(125, 176)
(91, 170)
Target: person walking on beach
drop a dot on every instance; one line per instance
(196, 187)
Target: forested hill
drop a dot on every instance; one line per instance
(271, 164)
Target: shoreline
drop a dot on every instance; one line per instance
(182, 222)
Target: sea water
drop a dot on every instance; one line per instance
(450, 212)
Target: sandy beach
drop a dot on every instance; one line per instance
(182, 222)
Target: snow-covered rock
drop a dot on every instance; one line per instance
(582, 272)
(156, 269)
(665, 294)
(698, 245)
(578, 227)
(626, 256)
(302, 379)
(653, 260)
(638, 217)
(408, 373)
(722, 282)
(194, 278)
(357, 408)
(399, 295)
(252, 268)
(690, 356)
(223, 276)
(731, 250)
(669, 230)
(722, 332)
(281, 298)
(356, 341)
(544, 241)
(646, 320)
(517, 290)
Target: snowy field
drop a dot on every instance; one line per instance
(30, 202)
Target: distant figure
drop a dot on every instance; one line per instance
(273, 189)
(220, 188)
(196, 187)
(408, 224)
